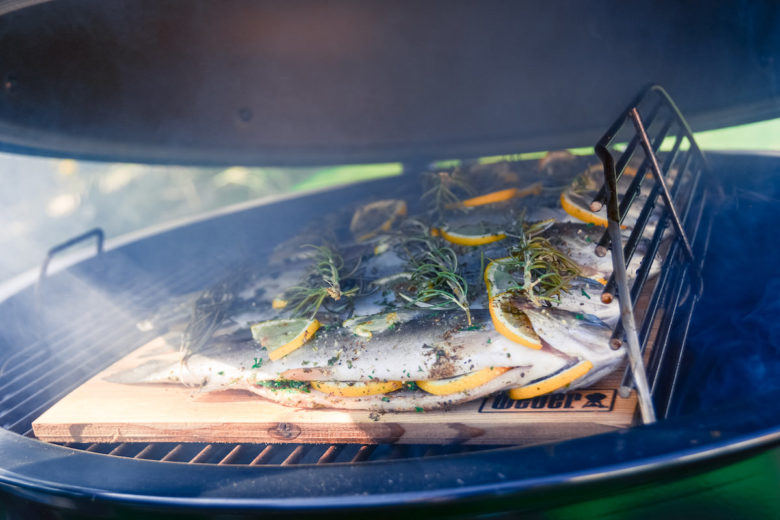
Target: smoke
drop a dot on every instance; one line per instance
(734, 345)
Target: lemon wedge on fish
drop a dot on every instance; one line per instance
(357, 388)
(512, 323)
(375, 217)
(366, 326)
(550, 384)
(499, 277)
(461, 383)
(281, 337)
(469, 234)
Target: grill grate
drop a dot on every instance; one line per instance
(272, 454)
(61, 356)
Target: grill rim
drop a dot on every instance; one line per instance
(735, 440)
(688, 443)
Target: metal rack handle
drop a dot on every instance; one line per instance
(59, 248)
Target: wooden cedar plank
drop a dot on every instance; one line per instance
(101, 411)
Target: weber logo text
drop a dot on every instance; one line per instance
(575, 401)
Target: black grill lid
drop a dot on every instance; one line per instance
(304, 82)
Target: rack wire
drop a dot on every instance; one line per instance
(673, 163)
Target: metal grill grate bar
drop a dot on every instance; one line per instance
(263, 456)
(145, 452)
(173, 453)
(364, 452)
(232, 455)
(118, 450)
(295, 456)
(330, 453)
(202, 455)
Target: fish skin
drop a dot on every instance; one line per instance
(417, 350)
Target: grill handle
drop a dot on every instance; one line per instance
(59, 248)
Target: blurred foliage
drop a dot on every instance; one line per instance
(46, 201)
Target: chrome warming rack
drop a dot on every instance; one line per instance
(654, 131)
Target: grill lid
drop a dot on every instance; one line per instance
(309, 82)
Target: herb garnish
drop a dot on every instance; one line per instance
(325, 279)
(285, 384)
(443, 190)
(546, 271)
(435, 278)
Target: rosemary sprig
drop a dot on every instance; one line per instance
(435, 278)
(209, 311)
(444, 189)
(324, 280)
(546, 271)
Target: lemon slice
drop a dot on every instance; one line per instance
(469, 234)
(499, 278)
(585, 185)
(357, 388)
(280, 337)
(463, 382)
(512, 323)
(371, 219)
(552, 383)
(576, 209)
(498, 196)
(365, 326)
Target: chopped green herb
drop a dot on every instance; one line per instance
(419, 368)
(349, 364)
(304, 362)
(579, 316)
(418, 409)
(386, 399)
(471, 327)
(490, 340)
(410, 385)
(258, 363)
(285, 384)
(585, 294)
(221, 372)
(332, 361)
